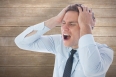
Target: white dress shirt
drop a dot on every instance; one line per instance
(91, 59)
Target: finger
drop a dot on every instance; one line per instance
(90, 11)
(83, 7)
(80, 9)
(93, 16)
(64, 9)
(68, 6)
(87, 9)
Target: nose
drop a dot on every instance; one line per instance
(65, 27)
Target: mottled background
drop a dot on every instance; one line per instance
(17, 15)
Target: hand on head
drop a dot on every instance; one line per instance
(86, 17)
(60, 16)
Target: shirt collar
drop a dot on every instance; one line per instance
(71, 49)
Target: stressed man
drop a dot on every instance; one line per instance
(76, 52)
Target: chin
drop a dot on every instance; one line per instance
(67, 45)
(70, 44)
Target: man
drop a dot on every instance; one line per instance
(89, 59)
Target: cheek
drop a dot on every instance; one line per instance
(76, 33)
(76, 30)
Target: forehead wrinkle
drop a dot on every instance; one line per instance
(70, 21)
(70, 17)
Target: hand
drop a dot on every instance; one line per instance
(60, 16)
(55, 21)
(85, 20)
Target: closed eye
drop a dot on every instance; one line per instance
(63, 23)
(73, 24)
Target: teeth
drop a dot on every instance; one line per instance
(66, 35)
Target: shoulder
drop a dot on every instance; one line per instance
(104, 49)
(99, 45)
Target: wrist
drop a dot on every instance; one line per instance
(51, 23)
(85, 30)
(57, 20)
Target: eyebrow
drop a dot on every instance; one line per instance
(71, 21)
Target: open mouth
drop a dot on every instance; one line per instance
(66, 36)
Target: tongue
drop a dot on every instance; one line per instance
(66, 37)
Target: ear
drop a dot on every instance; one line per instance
(93, 23)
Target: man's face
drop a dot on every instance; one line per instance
(70, 29)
